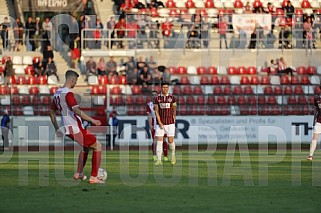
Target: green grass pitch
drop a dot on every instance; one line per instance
(201, 181)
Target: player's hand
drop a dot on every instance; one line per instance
(161, 126)
(59, 133)
(96, 122)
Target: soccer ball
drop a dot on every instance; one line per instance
(102, 174)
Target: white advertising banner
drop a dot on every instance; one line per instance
(240, 129)
(247, 22)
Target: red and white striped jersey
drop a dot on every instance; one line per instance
(165, 106)
(150, 109)
(64, 100)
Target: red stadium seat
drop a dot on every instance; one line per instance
(103, 80)
(238, 4)
(32, 80)
(265, 80)
(187, 90)
(33, 91)
(181, 70)
(181, 99)
(209, 4)
(29, 70)
(115, 91)
(247, 90)
(305, 80)
(129, 100)
(257, 3)
(170, 4)
(172, 70)
(268, 90)
(311, 70)
(21, 80)
(271, 100)
(190, 4)
(295, 80)
(45, 100)
(288, 90)
(53, 90)
(114, 80)
(225, 80)
(177, 90)
(302, 99)
(36, 59)
(231, 70)
(245, 80)
(102, 90)
(204, 80)
(261, 100)
(202, 12)
(237, 90)
(190, 99)
(305, 4)
(251, 100)
(26, 100)
(210, 100)
(36, 100)
(279, 12)
(17, 110)
(15, 100)
(298, 90)
(285, 79)
(301, 70)
(139, 100)
(4, 90)
(221, 100)
(241, 100)
(201, 70)
(292, 100)
(94, 90)
(227, 90)
(255, 80)
(241, 70)
(264, 110)
(276, 110)
(42, 80)
(212, 70)
(12, 80)
(136, 89)
(14, 90)
(317, 90)
(278, 90)
(173, 13)
(231, 100)
(197, 90)
(153, 12)
(215, 80)
(217, 90)
(184, 80)
(251, 70)
(123, 80)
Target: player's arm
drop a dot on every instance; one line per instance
(157, 115)
(174, 106)
(84, 116)
(52, 115)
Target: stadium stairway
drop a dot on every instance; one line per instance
(7, 8)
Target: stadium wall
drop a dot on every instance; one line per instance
(190, 130)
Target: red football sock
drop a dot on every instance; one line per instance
(165, 148)
(82, 159)
(95, 161)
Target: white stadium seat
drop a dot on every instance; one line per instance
(5, 100)
(93, 80)
(27, 60)
(23, 89)
(44, 89)
(28, 110)
(17, 60)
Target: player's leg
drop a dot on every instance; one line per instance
(313, 145)
(159, 134)
(82, 159)
(165, 148)
(170, 131)
(95, 162)
(154, 145)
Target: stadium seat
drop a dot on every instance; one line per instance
(302, 99)
(94, 90)
(33, 90)
(254, 80)
(23, 89)
(265, 80)
(231, 70)
(45, 100)
(201, 70)
(36, 59)
(114, 80)
(235, 80)
(245, 80)
(21, 80)
(241, 70)
(187, 90)
(129, 100)
(225, 80)
(291, 100)
(271, 100)
(177, 90)
(227, 90)
(221, 100)
(275, 80)
(268, 90)
(311, 70)
(32, 80)
(197, 90)
(14, 90)
(191, 70)
(287, 90)
(29, 70)
(52, 80)
(285, 79)
(204, 80)
(276, 110)
(99, 100)
(184, 80)
(277, 90)
(295, 80)
(4, 90)
(136, 89)
(103, 80)
(5, 100)
(12, 80)
(212, 70)
(217, 90)
(209, 4)
(315, 80)
(139, 100)
(19, 70)
(26, 100)
(27, 60)
(231, 100)
(215, 80)
(170, 4)
(305, 4)
(17, 110)
(17, 60)
(251, 70)
(251, 100)
(42, 80)
(189, 4)
(222, 70)
(298, 90)
(115, 90)
(53, 90)
(181, 99)
(181, 70)
(241, 100)
(210, 100)
(301, 70)
(190, 99)
(15, 100)
(247, 90)
(261, 100)
(237, 90)
(172, 70)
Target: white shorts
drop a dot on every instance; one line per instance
(169, 130)
(317, 128)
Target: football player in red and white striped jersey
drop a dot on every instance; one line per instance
(71, 121)
(165, 110)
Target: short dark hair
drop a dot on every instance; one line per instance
(71, 73)
(165, 83)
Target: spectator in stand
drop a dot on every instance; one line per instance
(194, 33)
(253, 40)
(120, 29)
(91, 68)
(153, 41)
(111, 24)
(116, 6)
(30, 32)
(38, 68)
(270, 8)
(307, 27)
(125, 8)
(285, 36)
(167, 28)
(166, 76)
(131, 63)
(156, 76)
(111, 67)
(157, 4)
(89, 8)
(102, 67)
(75, 51)
(18, 34)
(8, 71)
(141, 63)
(247, 8)
(205, 35)
(98, 34)
(51, 68)
(273, 67)
(132, 76)
(222, 28)
(5, 32)
(145, 76)
(289, 9)
(132, 28)
(151, 63)
(38, 32)
(47, 26)
(48, 53)
(282, 67)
